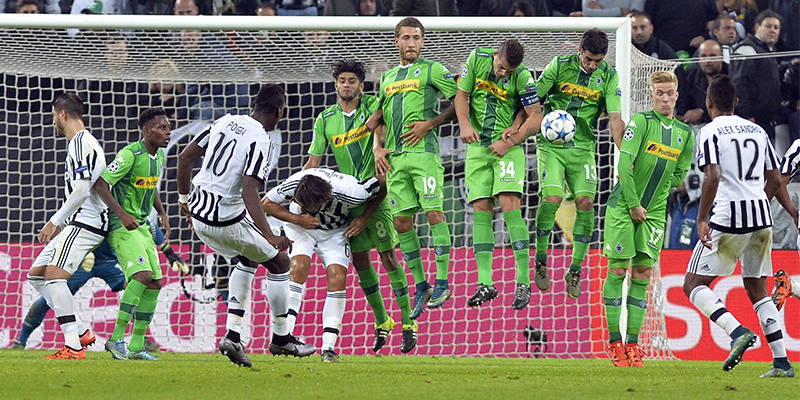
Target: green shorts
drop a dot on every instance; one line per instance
(415, 181)
(577, 167)
(623, 239)
(487, 175)
(136, 251)
(379, 233)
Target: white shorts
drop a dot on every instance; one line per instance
(68, 248)
(241, 238)
(754, 249)
(332, 246)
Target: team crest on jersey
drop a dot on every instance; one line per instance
(491, 87)
(113, 167)
(505, 82)
(598, 82)
(680, 140)
(628, 134)
(544, 175)
(662, 151)
(145, 182)
(406, 85)
(140, 259)
(351, 136)
(579, 91)
(618, 248)
(394, 203)
(417, 72)
(361, 117)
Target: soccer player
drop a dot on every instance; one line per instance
(133, 176)
(493, 85)
(736, 158)
(410, 159)
(585, 86)
(785, 284)
(225, 212)
(79, 225)
(320, 201)
(342, 128)
(655, 155)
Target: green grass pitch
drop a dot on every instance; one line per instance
(25, 375)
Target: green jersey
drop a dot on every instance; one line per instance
(564, 85)
(494, 101)
(656, 152)
(134, 176)
(410, 93)
(348, 137)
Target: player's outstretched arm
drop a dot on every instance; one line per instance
(253, 205)
(102, 188)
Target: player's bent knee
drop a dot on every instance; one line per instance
(554, 199)
(336, 275)
(155, 284)
(435, 217)
(486, 205)
(584, 203)
(361, 260)
(403, 224)
(389, 260)
(278, 264)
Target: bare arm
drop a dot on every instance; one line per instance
(707, 195)
(162, 214)
(360, 223)
(461, 107)
(252, 203)
(186, 160)
(313, 161)
(617, 128)
(773, 183)
(128, 221)
(783, 197)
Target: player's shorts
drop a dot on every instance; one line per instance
(488, 175)
(415, 181)
(331, 246)
(68, 248)
(577, 167)
(240, 238)
(379, 233)
(136, 251)
(623, 238)
(754, 249)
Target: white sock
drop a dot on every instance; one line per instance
(38, 284)
(712, 307)
(277, 293)
(332, 314)
(294, 302)
(238, 292)
(768, 316)
(64, 307)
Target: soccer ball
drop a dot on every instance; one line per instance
(558, 127)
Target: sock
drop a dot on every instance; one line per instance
(545, 219)
(483, 245)
(332, 313)
(612, 298)
(294, 301)
(142, 318)
(409, 245)
(368, 280)
(582, 236)
(64, 306)
(637, 308)
(768, 316)
(712, 307)
(441, 246)
(278, 296)
(130, 299)
(520, 242)
(239, 286)
(38, 284)
(81, 327)
(400, 290)
(33, 319)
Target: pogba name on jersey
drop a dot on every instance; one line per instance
(236, 128)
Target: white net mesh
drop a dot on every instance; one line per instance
(200, 74)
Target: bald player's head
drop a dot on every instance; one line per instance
(710, 53)
(186, 7)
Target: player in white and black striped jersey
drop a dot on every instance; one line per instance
(320, 201)
(741, 174)
(225, 212)
(79, 225)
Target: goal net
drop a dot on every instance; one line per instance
(201, 68)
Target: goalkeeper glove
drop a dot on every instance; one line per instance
(88, 262)
(177, 263)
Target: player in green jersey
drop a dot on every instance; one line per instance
(341, 127)
(494, 85)
(134, 176)
(585, 86)
(410, 159)
(655, 154)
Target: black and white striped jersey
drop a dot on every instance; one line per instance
(235, 146)
(348, 193)
(743, 153)
(791, 160)
(86, 160)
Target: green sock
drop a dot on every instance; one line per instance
(400, 290)
(368, 280)
(582, 235)
(612, 298)
(441, 246)
(483, 245)
(142, 317)
(545, 219)
(521, 243)
(409, 245)
(130, 299)
(637, 308)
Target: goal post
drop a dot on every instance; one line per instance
(202, 67)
